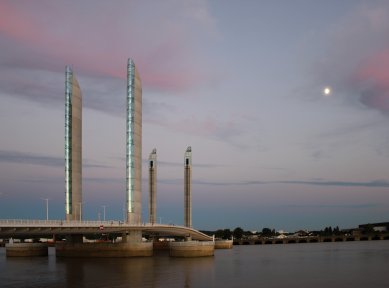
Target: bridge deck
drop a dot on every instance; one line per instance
(33, 228)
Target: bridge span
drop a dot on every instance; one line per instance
(18, 228)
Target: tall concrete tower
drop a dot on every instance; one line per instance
(153, 187)
(73, 147)
(133, 145)
(188, 187)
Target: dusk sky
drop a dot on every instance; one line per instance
(242, 82)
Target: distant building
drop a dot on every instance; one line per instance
(73, 147)
(374, 227)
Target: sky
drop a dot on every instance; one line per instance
(241, 82)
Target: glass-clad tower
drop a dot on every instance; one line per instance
(133, 145)
(73, 147)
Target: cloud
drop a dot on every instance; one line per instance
(41, 160)
(333, 206)
(226, 130)
(103, 180)
(356, 60)
(25, 158)
(163, 38)
(371, 184)
(181, 164)
(372, 78)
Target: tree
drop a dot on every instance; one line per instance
(266, 232)
(219, 234)
(238, 233)
(227, 234)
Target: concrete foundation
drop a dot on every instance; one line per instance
(192, 249)
(223, 244)
(161, 245)
(26, 249)
(139, 249)
(132, 237)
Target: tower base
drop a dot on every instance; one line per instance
(139, 249)
(192, 248)
(26, 249)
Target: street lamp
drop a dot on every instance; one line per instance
(47, 207)
(80, 203)
(104, 211)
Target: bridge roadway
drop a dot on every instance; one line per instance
(18, 228)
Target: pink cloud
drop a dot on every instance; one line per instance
(355, 63)
(225, 130)
(374, 76)
(97, 37)
(13, 23)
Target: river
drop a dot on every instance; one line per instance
(339, 264)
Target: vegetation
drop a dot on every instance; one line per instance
(239, 233)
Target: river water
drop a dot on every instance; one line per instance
(339, 264)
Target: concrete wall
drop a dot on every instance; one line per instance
(192, 249)
(73, 147)
(223, 244)
(153, 187)
(26, 249)
(141, 249)
(76, 151)
(188, 187)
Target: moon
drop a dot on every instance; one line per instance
(327, 91)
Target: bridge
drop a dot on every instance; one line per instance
(19, 228)
(310, 239)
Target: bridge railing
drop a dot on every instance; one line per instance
(73, 223)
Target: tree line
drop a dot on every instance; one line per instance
(239, 233)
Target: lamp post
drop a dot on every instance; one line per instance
(47, 207)
(104, 211)
(80, 203)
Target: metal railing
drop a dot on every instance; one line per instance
(111, 225)
(76, 223)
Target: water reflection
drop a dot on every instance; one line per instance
(319, 265)
(157, 271)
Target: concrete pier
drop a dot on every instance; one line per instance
(192, 248)
(140, 249)
(223, 244)
(26, 249)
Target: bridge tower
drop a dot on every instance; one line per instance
(73, 147)
(133, 145)
(153, 187)
(188, 187)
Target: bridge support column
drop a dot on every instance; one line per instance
(132, 237)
